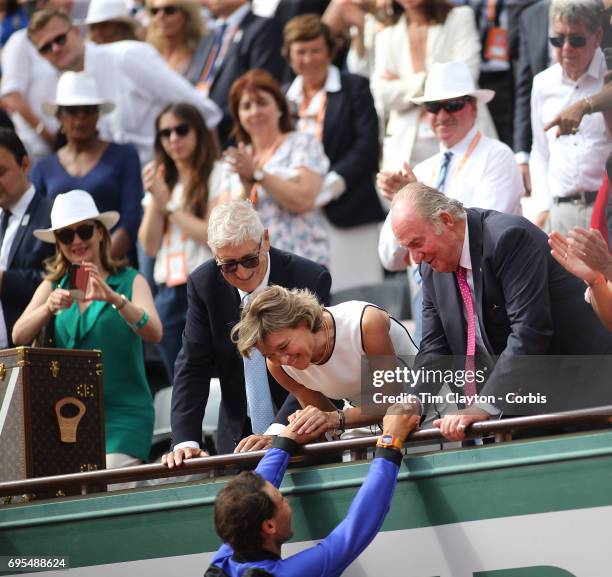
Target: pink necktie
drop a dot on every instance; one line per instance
(466, 294)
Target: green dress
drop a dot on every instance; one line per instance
(128, 404)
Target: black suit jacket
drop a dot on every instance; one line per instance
(532, 59)
(25, 262)
(256, 44)
(350, 140)
(526, 303)
(214, 308)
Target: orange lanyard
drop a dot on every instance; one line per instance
(253, 193)
(319, 117)
(462, 163)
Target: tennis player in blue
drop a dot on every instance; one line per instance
(254, 519)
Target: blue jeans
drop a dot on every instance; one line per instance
(171, 304)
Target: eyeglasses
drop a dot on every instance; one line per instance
(60, 40)
(167, 10)
(231, 266)
(84, 108)
(450, 106)
(66, 235)
(575, 40)
(181, 130)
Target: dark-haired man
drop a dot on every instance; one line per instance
(21, 255)
(254, 519)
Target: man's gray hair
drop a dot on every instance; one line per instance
(429, 203)
(586, 12)
(232, 224)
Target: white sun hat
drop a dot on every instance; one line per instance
(77, 89)
(451, 80)
(108, 10)
(72, 207)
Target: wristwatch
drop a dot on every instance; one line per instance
(258, 175)
(390, 442)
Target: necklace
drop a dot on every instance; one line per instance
(327, 344)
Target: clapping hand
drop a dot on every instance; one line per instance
(241, 160)
(390, 183)
(97, 289)
(153, 181)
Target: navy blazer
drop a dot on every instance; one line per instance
(24, 268)
(214, 308)
(526, 302)
(255, 45)
(351, 142)
(532, 59)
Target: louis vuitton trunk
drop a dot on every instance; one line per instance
(51, 412)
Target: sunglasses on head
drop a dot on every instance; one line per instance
(60, 40)
(575, 40)
(66, 235)
(180, 130)
(84, 108)
(231, 266)
(167, 10)
(449, 106)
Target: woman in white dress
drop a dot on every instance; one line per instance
(316, 353)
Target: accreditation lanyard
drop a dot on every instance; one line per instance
(215, 59)
(253, 194)
(317, 119)
(176, 260)
(468, 153)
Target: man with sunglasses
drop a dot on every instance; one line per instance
(567, 171)
(244, 262)
(22, 210)
(130, 74)
(471, 167)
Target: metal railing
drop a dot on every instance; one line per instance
(501, 429)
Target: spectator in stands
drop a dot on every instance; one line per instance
(13, 17)
(244, 262)
(280, 170)
(254, 519)
(183, 183)
(477, 170)
(110, 172)
(28, 81)
(240, 41)
(316, 354)
(110, 21)
(338, 109)
(21, 255)
(114, 314)
(567, 171)
(176, 30)
(426, 33)
(130, 74)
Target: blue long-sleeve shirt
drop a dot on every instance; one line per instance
(345, 543)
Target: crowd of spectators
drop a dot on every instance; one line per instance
(162, 110)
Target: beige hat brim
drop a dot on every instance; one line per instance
(109, 219)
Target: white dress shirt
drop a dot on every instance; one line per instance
(138, 81)
(574, 163)
(15, 221)
(489, 178)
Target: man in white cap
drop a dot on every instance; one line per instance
(131, 74)
(110, 21)
(473, 168)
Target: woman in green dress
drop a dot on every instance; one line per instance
(113, 313)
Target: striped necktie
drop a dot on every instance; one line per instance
(443, 170)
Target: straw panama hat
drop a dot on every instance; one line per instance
(451, 80)
(107, 11)
(72, 207)
(77, 89)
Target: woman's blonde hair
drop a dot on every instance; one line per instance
(194, 25)
(58, 265)
(273, 309)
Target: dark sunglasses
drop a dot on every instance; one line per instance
(231, 266)
(66, 235)
(60, 40)
(84, 108)
(575, 40)
(450, 105)
(180, 130)
(167, 10)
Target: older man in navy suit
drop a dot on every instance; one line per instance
(244, 262)
(490, 285)
(22, 210)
